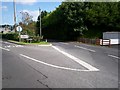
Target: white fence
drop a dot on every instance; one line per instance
(109, 41)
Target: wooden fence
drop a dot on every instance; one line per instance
(95, 41)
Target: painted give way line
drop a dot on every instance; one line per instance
(81, 62)
(4, 49)
(114, 56)
(85, 48)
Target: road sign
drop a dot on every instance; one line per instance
(19, 28)
(24, 36)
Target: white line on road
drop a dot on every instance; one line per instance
(4, 49)
(64, 43)
(81, 62)
(85, 48)
(54, 66)
(114, 56)
(6, 42)
(46, 45)
(8, 46)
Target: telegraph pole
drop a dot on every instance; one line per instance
(14, 5)
(40, 21)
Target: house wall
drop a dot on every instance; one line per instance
(113, 36)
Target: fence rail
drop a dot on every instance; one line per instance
(95, 41)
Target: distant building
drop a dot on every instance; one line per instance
(5, 28)
(114, 37)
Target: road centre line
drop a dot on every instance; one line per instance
(81, 62)
(4, 49)
(113, 56)
(85, 48)
(54, 66)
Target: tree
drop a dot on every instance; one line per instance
(73, 19)
(28, 25)
(43, 14)
(26, 18)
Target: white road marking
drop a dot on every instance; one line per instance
(21, 46)
(13, 46)
(4, 49)
(6, 42)
(8, 46)
(46, 45)
(81, 62)
(64, 43)
(85, 48)
(114, 56)
(54, 66)
(17, 46)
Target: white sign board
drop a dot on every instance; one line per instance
(24, 36)
(19, 28)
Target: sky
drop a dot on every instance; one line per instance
(30, 6)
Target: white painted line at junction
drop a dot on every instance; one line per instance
(13, 46)
(8, 46)
(64, 43)
(81, 62)
(45, 45)
(54, 66)
(6, 42)
(114, 56)
(85, 48)
(4, 49)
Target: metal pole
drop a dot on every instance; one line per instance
(40, 21)
(14, 14)
(19, 36)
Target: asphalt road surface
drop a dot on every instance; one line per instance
(62, 65)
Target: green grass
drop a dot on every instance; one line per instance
(24, 43)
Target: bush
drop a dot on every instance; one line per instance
(11, 36)
(36, 39)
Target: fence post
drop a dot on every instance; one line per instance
(102, 42)
(109, 42)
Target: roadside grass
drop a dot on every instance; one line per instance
(24, 43)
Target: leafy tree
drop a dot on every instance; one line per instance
(73, 19)
(28, 25)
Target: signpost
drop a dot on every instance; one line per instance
(24, 36)
(19, 29)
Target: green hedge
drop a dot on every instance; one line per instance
(11, 36)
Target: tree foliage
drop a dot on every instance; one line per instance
(86, 19)
(28, 25)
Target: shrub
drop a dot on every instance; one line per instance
(36, 39)
(11, 36)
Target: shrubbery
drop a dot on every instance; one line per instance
(36, 39)
(11, 36)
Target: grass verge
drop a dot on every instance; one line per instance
(24, 43)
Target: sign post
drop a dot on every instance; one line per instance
(19, 29)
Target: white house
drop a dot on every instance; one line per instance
(114, 37)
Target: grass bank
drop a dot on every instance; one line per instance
(24, 43)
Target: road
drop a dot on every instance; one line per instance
(62, 65)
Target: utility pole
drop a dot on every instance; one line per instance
(40, 21)
(14, 5)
